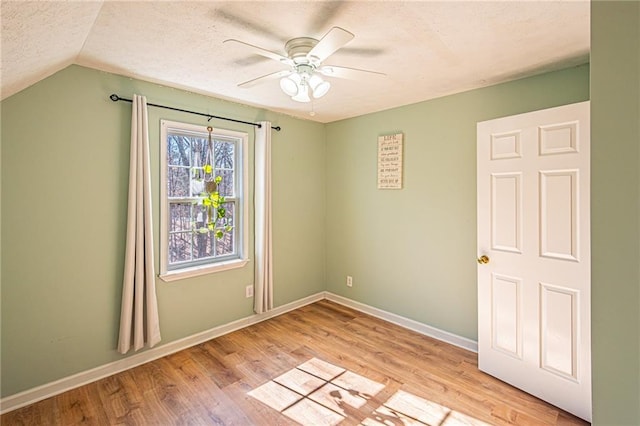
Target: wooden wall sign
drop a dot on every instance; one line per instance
(390, 161)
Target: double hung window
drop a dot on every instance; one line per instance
(193, 241)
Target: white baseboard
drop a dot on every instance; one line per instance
(48, 390)
(410, 324)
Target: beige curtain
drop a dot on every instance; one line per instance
(263, 294)
(139, 313)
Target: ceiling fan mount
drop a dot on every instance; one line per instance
(304, 56)
(298, 50)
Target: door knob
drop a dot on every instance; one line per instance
(483, 259)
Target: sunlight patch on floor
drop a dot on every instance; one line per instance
(413, 410)
(319, 393)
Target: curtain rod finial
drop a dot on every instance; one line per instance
(114, 97)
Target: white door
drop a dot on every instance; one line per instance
(534, 322)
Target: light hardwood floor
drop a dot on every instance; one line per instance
(320, 364)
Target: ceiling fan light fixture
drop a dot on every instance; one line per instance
(303, 94)
(289, 85)
(321, 90)
(319, 87)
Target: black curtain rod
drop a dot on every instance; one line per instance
(116, 98)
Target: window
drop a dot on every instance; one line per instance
(188, 246)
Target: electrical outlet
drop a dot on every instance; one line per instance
(248, 291)
(349, 281)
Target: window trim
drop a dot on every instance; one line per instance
(169, 275)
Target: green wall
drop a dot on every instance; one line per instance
(413, 251)
(615, 213)
(64, 191)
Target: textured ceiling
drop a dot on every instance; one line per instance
(426, 49)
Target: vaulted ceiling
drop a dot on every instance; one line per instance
(426, 49)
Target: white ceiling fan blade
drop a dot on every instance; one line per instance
(260, 51)
(264, 78)
(332, 41)
(345, 72)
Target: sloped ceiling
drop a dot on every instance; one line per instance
(426, 49)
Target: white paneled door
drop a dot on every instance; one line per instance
(534, 266)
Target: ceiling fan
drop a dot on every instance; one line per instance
(304, 56)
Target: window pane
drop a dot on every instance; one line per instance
(200, 216)
(178, 182)
(225, 245)
(225, 154)
(228, 220)
(226, 186)
(180, 247)
(197, 185)
(199, 150)
(180, 217)
(179, 150)
(202, 245)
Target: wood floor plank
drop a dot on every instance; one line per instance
(214, 365)
(78, 405)
(40, 413)
(205, 395)
(258, 412)
(122, 400)
(323, 363)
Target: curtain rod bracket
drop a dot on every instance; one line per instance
(116, 98)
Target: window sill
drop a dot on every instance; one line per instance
(202, 270)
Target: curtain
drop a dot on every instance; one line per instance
(263, 294)
(139, 322)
